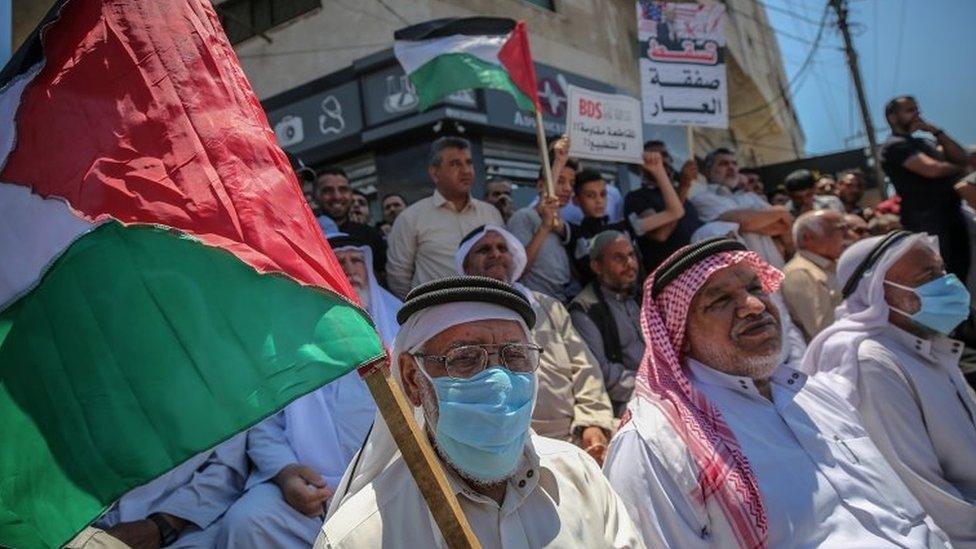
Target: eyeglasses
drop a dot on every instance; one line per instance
(470, 360)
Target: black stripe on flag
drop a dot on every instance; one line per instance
(31, 52)
(449, 26)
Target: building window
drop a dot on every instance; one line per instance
(547, 4)
(243, 19)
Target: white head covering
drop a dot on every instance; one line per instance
(519, 258)
(380, 450)
(383, 305)
(324, 428)
(834, 351)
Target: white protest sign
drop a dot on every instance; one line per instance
(682, 64)
(604, 126)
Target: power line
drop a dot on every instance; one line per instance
(786, 89)
(313, 50)
(785, 11)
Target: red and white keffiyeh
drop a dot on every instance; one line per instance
(724, 471)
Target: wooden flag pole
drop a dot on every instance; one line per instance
(540, 133)
(423, 463)
(690, 138)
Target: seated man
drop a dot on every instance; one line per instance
(765, 229)
(300, 453)
(356, 259)
(181, 508)
(544, 233)
(572, 404)
(724, 447)
(890, 356)
(810, 287)
(606, 314)
(466, 362)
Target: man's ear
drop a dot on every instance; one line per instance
(432, 173)
(408, 375)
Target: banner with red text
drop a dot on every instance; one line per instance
(682, 65)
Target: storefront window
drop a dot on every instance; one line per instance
(243, 19)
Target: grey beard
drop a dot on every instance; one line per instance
(363, 296)
(428, 401)
(753, 367)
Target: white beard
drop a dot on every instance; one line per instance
(363, 296)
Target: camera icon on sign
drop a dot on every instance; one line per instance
(289, 131)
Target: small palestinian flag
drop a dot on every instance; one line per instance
(448, 55)
(163, 284)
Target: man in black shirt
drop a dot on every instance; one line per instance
(656, 245)
(924, 177)
(334, 195)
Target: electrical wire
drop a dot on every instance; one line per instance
(796, 77)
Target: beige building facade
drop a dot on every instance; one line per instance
(325, 72)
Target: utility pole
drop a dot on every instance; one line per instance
(840, 6)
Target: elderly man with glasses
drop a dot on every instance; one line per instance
(466, 361)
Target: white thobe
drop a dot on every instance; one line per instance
(822, 481)
(200, 491)
(557, 498)
(918, 409)
(717, 199)
(261, 518)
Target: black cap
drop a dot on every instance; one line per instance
(689, 256)
(466, 288)
(344, 240)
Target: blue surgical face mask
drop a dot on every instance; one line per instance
(483, 421)
(944, 303)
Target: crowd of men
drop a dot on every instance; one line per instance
(707, 361)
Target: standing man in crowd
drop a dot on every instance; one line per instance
(335, 197)
(726, 447)
(498, 193)
(890, 356)
(474, 401)
(925, 177)
(850, 190)
(360, 211)
(651, 209)
(544, 232)
(606, 314)
(392, 204)
(572, 404)
(810, 284)
(800, 186)
(426, 235)
(765, 229)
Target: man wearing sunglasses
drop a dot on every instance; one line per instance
(466, 361)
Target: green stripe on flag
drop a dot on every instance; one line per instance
(452, 72)
(139, 349)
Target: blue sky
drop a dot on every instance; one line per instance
(925, 48)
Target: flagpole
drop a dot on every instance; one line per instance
(424, 465)
(540, 133)
(690, 140)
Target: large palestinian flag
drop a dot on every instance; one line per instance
(163, 284)
(448, 55)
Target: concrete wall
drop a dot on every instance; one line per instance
(596, 38)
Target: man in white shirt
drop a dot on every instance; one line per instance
(465, 359)
(424, 237)
(300, 453)
(571, 403)
(765, 229)
(890, 355)
(726, 447)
